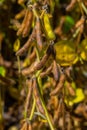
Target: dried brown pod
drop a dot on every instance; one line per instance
(45, 57)
(5, 63)
(30, 70)
(59, 85)
(37, 96)
(28, 24)
(30, 126)
(70, 89)
(42, 62)
(55, 71)
(58, 29)
(71, 5)
(35, 125)
(53, 82)
(20, 14)
(80, 22)
(46, 72)
(81, 109)
(41, 125)
(15, 23)
(53, 103)
(80, 33)
(1, 39)
(85, 2)
(57, 112)
(24, 126)
(27, 44)
(39, 34)
(19, 32)
(80, 25)
(30, 58)
(7, 80)
(68, 70)
(47, 85)
(32, 55)
(28, 99)
(21, 1)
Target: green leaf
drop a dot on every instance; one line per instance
(2, 71)
(1, 1)
(68, 24)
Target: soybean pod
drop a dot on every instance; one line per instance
(47, 27)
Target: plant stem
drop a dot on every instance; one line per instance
(46, 114)
(84, 8)
(19, 69)
(45, 109)
(41, 93)
(33, 109)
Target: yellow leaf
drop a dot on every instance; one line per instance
(66, 53)
(79, 96)
(83, 49)
(16, 45)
